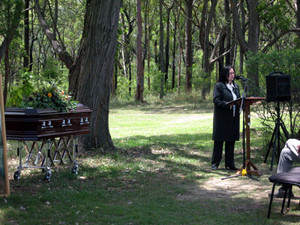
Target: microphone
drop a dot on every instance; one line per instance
(241, 78)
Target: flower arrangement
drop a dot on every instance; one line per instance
(49, 97)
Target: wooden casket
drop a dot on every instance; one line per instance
(39, 124)
(58, 129)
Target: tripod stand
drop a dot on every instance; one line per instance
(276, 137)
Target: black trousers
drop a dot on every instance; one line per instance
(217, 153)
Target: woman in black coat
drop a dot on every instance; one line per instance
(226, 121)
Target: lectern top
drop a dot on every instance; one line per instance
(248, 100)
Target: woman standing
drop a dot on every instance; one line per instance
(226, 121)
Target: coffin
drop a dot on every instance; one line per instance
(38, 124)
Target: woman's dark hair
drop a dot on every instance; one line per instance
(224, 73)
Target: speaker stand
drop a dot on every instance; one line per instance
(276, 137)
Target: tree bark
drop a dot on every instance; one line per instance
(96, 60)
(253, 38)
(91, 74)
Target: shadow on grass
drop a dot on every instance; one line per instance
(158, 180)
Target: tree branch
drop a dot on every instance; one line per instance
(271, 43)
(56, 45)
(237, 25)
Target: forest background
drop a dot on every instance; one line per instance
(135, 50)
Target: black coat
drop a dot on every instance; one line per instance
(226, 127)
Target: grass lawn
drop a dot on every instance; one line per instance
(159, 174)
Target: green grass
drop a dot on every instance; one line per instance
(159, 174)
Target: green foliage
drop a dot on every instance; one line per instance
(274, 15)
(123, 88)
(49, 97)
(287, 62)
(7, 10)
(51, 72)
(20, 90)
(24, 94)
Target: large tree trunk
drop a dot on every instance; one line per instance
(91, 74)
(96, 62)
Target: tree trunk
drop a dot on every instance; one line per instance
(139, 55)
(189, 48)
(238, 27)
(207, 51)
(243, 32)
(147, 43)
(161, 50)
(228, 58)
(96, 60)
(253, 38)
(26, 35)
(174, 51)
(298, 17)
(7, 74)
(167, 60)
(91, 74)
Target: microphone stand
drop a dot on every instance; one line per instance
(245, 86)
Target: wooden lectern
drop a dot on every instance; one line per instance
(245, 103)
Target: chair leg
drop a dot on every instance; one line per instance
(283, 201)
(271, 200)
(289, 200)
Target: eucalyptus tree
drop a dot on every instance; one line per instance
(139, 57)
(127, 48)
(267, 23)
(90, 73)
(26, 63)
(161, 49)
(189, 46)
(209, 41)
(167, 47)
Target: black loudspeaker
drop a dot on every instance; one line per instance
(278, 87)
